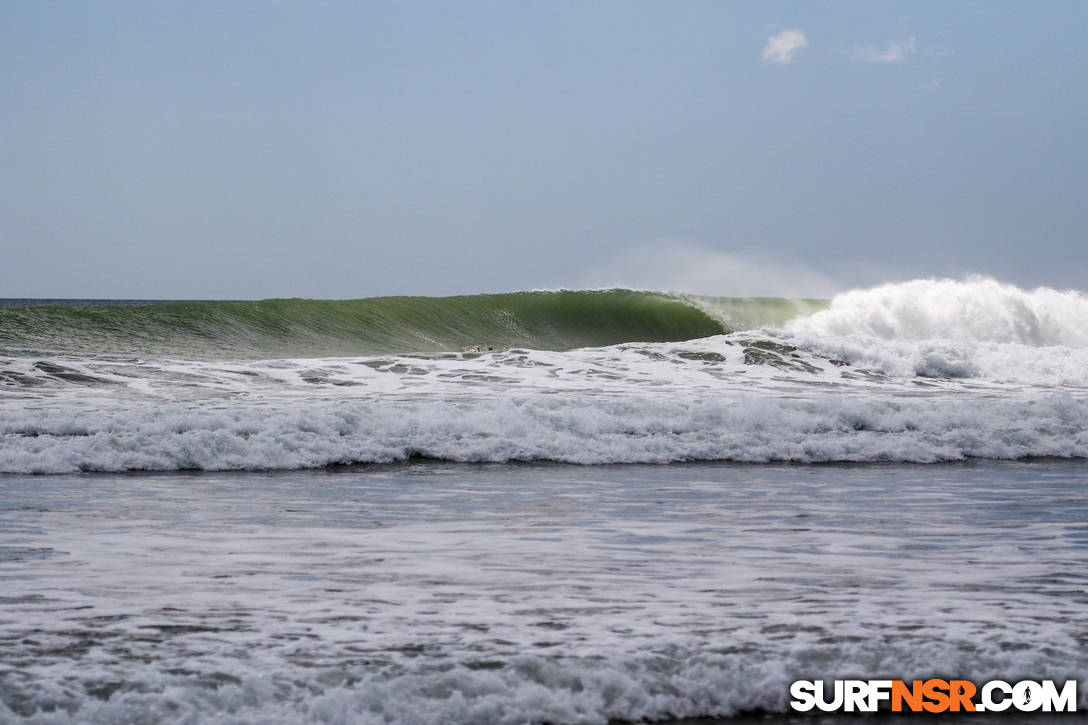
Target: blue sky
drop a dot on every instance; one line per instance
(328, 149)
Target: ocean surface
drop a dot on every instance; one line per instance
(443, 510)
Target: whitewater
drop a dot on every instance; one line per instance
(565, 507)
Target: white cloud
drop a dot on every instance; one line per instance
(930, 85)
(894, 52)
(782, 47)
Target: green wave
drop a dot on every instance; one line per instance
(559, 320)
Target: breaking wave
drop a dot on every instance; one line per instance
(978, 310)
(922, 371)
(544, 320)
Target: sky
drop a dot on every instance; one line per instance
(242, 150)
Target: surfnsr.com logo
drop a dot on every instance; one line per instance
(934, 696)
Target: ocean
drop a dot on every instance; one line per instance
(537, 507)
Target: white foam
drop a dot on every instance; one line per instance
(534, 689)
(464, 599)
(976, 328)
(586, 430)
(978, 309)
